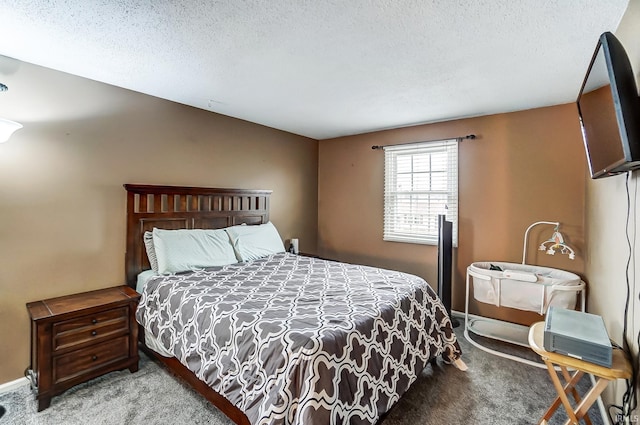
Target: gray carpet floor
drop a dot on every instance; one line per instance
(493, 391)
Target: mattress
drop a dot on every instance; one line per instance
(298, 340)
(143, 278)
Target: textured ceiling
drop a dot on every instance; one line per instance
(321, 68)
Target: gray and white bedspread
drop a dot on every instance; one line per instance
(298, 340)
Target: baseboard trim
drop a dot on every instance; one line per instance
(13, 385)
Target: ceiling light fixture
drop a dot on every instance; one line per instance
(7, 128)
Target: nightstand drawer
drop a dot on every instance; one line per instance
(79, 337)
(92, 327)
(86, 360)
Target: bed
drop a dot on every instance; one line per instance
(281, 338)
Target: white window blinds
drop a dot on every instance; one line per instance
(421, 182)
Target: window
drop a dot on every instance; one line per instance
(420, 182)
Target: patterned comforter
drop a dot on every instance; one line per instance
(298, 340)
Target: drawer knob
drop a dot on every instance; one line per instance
(94, 321)
(94, 358)
(94, 333)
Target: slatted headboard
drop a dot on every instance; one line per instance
(178, 207)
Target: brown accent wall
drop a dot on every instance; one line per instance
(524, 167)
(62, 204)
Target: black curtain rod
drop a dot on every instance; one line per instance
(467, 137)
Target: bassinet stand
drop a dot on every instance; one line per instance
(510, 332)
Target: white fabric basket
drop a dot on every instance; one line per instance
(551, 286)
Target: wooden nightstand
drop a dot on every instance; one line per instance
(79, 337)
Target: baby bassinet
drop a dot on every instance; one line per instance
(520, 286)
(524, 287)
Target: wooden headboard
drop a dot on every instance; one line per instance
(177, 207)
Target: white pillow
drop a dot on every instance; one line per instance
(253, 242)
(188, 249)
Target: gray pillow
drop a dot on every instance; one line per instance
(151, 251)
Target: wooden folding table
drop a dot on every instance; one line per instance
(620, 369)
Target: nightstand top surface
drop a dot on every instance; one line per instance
(76, 302)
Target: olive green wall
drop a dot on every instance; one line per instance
(62, 204)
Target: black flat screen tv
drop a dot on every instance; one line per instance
(609, 110)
